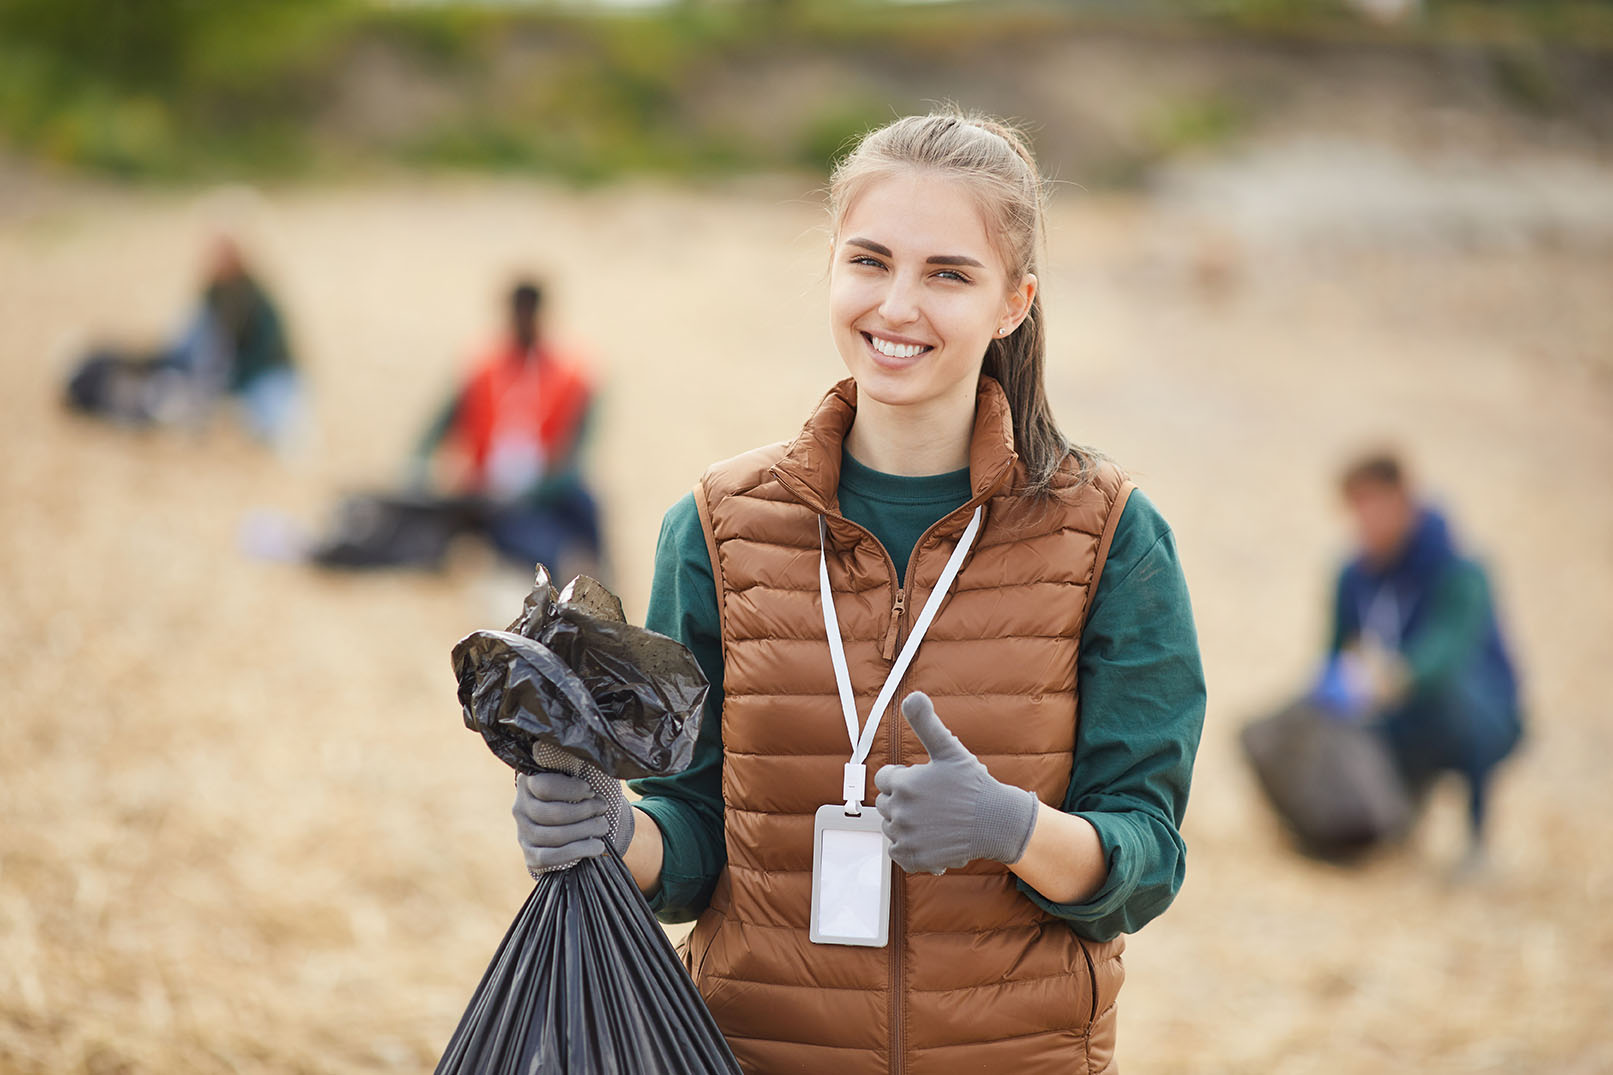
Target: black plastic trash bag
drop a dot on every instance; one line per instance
(132, 389)
(1331, 780)
(585, 981)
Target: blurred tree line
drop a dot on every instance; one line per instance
(164, 87)
(178, 89)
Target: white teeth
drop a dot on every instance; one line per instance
(896, 350)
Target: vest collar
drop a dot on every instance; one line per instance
(810, 468)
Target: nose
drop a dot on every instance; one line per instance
(900, 303)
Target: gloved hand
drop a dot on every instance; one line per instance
(563, 817)
(1362, 681)
(949, 811)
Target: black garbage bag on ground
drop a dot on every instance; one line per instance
(585, 981)
(373, 530)
(131, 389)
(1332, 781)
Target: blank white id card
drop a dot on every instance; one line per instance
(851, 879)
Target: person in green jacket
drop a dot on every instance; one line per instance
(233, 346)
(1115, 848)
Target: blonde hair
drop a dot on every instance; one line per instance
(994, 159)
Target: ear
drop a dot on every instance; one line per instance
(1018, 303)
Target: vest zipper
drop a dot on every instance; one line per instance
(894, 737)
(894, 731)
(896, 621)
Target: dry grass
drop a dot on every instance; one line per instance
(244, 831)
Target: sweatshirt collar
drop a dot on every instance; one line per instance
(810, 468)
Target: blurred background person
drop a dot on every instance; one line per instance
(233, 347)
(502, 459)
(1416, 644)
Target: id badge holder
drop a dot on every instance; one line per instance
(851, 878)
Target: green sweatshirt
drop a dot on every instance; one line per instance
(252, 329)
(1142, 701)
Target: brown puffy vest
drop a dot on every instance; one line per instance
(976, 977)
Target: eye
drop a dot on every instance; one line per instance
(953, 275)
(867, 260)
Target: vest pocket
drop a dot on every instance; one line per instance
(1105, 974)
(1092, 985)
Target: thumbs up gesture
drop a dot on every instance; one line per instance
(949, 811)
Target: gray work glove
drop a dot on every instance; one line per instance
(568, 813)
(949, 811)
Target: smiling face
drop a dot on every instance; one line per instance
(917, 289)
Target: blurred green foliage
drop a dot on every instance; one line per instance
(831, 128)
(179, 89)
(163, 87)
(1192, 122)
(1525, 76)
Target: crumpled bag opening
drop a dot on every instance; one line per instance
(573, 673)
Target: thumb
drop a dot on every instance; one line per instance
(921, 717)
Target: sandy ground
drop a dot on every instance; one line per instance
(244, 830)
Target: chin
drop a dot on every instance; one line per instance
(894, 389)
(914, 386)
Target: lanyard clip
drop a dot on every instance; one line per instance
(855, 787)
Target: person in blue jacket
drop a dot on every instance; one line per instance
(1417, 642)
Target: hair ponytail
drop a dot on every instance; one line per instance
(995, 160)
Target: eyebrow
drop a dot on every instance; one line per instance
(938, 259)
(868, 244)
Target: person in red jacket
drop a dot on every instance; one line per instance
(516, 423)
(502, 459)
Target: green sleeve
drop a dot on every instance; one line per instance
(1345, 627)
(565, 470)
(434, 433)
(1141, 713)
(571, 457)
(1451, 627)
(688, 806)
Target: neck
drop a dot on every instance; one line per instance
(913, 440)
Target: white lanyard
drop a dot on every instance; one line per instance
(1381, 620)
(856, 778)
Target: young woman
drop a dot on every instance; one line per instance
(929, 535)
